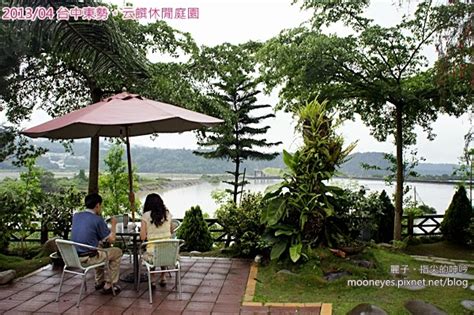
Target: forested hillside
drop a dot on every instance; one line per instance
(155, 160)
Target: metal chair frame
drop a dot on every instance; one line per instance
(73, 265)
(165, 259)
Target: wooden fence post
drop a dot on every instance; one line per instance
(44, 232)
(410, 226)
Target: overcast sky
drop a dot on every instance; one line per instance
(237, 21)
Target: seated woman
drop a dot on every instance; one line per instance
(155, 225)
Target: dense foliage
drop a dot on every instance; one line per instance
(300, 206)
(26, 205)
(457, 218)
(385, 219)
(194, 231)
(381, 73)
(357, 216)
(113, 183)
(57, 209)
(242, 222)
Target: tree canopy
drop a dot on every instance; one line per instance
(380, 73)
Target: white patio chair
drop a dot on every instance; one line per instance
(175, 224)
(165, 254)
(72, 263)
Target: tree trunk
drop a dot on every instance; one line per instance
(236, 180)
(397, 227)
(96, 95)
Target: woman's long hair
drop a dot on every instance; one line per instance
(154, 203)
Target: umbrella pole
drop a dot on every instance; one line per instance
(131, 197)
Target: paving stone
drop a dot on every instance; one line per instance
(81, 310)
(29, 306)
(424, 259)
(198, 297)
(468, 304)
(458, 275)
(233, 308)
(138, 311)
(219, 288)
(287, 272)
(106, 310)
(413, 287)
(444, 262)
(367, 309)
(176, 306)
(121, 302)
(5, 305)
(417, 307)
(56, 307)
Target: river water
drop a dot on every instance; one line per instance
(179, 200)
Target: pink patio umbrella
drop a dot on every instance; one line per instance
(122, 115)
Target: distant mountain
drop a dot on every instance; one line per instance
(154, 160)
(353, 166)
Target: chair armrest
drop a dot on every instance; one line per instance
(85, 246)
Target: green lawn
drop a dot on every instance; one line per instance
(20, 265)
(309, 286)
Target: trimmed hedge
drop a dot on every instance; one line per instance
(456, 221)
(194, 231)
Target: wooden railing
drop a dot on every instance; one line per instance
(215, 227)
(425, 225)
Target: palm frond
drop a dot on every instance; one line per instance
(97, 41)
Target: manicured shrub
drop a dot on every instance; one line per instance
(194, 231)
(457, 218)
(385, 219)
(470, 233)
(243, 224)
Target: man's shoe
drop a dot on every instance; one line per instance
(109, 290)
(99, 286)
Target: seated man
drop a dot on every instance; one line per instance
(89, 228)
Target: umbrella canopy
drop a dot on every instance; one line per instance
(121, 115)
(110, 118)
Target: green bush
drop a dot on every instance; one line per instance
(57, 209)
(457, 218)
(194, 231)
(243, 224)
(470, 233)
(385, 219)
(14, 214)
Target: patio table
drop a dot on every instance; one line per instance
(134, 236)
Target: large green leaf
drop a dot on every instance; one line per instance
(295, 252)
(288, 160)
(276, 210)
(278, 249)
